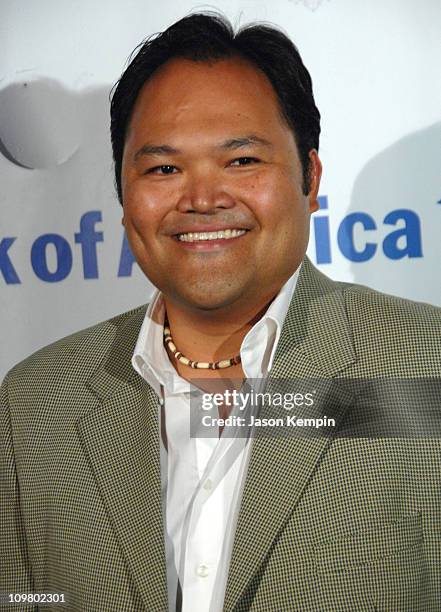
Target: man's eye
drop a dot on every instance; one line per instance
(165, 169)
(244, 161)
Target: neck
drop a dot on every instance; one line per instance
(207, 335)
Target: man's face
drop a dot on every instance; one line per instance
(207, 150)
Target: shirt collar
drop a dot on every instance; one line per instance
(260, 343)
(150, 358)
(151, 361)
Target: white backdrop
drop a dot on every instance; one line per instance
(375, 68)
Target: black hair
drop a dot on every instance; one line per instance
(203, 37)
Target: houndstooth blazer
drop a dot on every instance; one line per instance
(326, 523)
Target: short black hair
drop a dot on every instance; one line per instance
(205, 37)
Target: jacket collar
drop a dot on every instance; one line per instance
(316, 325)
(121, 439)
(315, 346)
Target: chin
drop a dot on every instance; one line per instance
(208, 303)
(208, 300)
(208, 295)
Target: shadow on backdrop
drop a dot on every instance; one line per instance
(397, 195)
(44, 125)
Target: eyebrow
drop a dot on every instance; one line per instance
(228, 145)
(245, 141)
(150, 149)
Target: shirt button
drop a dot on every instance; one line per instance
(202, 570)
(161, 401)
(208, 484)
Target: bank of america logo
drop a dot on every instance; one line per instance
(311, 4)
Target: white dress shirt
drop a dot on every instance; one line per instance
(202, 477)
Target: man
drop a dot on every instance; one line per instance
(108, 499)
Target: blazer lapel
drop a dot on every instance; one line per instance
(121, 439)
(315, 345)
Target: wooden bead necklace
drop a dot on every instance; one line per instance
(202, 365)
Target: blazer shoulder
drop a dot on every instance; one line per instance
(87, 345)
(366, 302)
(397, 335)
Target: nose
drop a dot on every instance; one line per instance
(204, 192)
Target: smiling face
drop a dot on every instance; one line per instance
(207, 150)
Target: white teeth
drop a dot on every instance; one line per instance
(222, 234)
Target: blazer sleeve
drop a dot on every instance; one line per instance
(15, 571)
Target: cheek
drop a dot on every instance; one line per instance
(276, 202)
(260, 194)
(143, 210)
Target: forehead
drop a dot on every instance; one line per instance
(230, 92)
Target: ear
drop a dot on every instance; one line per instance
(123, 221)
(315, 174)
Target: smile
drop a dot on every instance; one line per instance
(220, 235)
